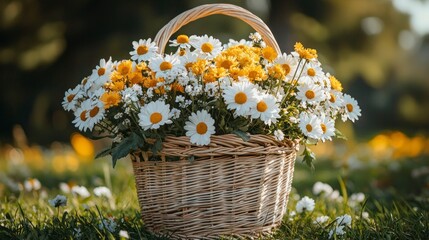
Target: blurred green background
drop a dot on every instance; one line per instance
(379, 49)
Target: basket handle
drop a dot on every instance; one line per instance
(193, 14)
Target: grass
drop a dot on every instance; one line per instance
(396, 204)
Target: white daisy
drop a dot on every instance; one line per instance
(167, 67)
(335, 100)
(289, 64)
(95, 114)
(279, 135)
(320, 187)
(351, 108)
(32, 184)
(81, 120)
(321, 220)
(310, 93)
(312, 73)
(58, 201)
(240, 96)
(181, 41)
(306, 204)
(310, 125)
(200, 127)
(207, 47)
(100, 75)
(143, 50)
(328, 128)
(154, 114)
(266, 109)
(71, 98)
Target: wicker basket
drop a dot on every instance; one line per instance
(231, 187)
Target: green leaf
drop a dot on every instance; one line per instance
(339, 134)
(157, 146)
(127, 145)
(309, 157)
(242, 134)
(103, 153)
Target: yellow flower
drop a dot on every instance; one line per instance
(225, 61)
(269, 53)
(110, 99)
(124, 67)
(277, 71)
(255, 73)
(335, 83)
(199, 66)
(213, 74)
(176, 87)
(305, 53)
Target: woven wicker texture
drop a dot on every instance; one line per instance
(232, 188)
(210, 9)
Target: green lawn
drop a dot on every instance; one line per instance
(395, 204)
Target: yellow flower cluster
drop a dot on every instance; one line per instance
(306, 53)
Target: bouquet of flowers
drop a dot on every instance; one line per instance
(208, 88)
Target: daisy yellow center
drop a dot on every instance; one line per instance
(165, 66)
(207, 47)
(83, 116)
(182, 52)
(349, 107)
(240, 98)
(101, 71)
(141, 50)
(201, 128)
(70, 97)
(286, 67)
(309, 94)
(182, 39)
(332, 99)
(311, 72)
(94, 111)
(155, 117)
(323, 126)
(309, 127)
(261, 106)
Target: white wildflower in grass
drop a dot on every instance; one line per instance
(109, 224)
(80, 191)
(351, 108)
(310, 125)
(207, 47)
(240, 96)
(181, 41)
(71, 98)
(265, 109)
(77, 233)
(200, 127)
(143, 50)
(32, 184)
(167, 67)
(340, 224)
(321, 220)
(100, 75)
(323, 188)
(279, 135)
(124, 234)
(355, 199)
(65, 187)
(306, 204)
(327, 125)
(288, 63)
(58, 201)
(310, 93)
(102, 191)
(154, 114)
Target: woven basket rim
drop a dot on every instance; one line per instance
(226, 144)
